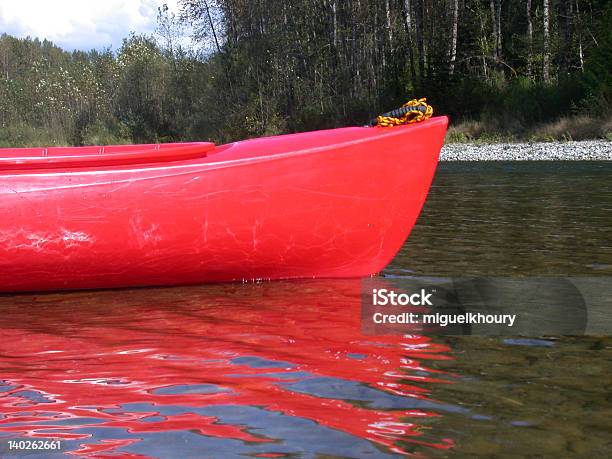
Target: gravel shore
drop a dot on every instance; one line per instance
(593, 150)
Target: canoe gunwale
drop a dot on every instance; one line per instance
(98, 157)
(211, 157)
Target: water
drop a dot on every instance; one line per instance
(514, 219)
(282, 370)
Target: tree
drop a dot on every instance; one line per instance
(546, 33)
(529, 40)
(497, 34)
(453, 45)
(597, 75)
(566, 34)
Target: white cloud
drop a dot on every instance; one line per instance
(80, 24)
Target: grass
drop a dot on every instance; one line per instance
(24, 135)
(580, 127)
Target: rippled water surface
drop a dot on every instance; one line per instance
(282, 370)
(514, 218)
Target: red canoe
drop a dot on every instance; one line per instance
(335, 203)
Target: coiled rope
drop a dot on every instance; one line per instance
(413, 111)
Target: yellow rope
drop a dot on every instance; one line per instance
(416, 115)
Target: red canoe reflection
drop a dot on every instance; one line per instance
(145, 362)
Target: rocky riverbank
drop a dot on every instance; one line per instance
(592, 150)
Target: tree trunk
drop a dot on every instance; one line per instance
(546, 57)
(529, 41)
(494, 25)
(407, 12)
(419, 36)
(388, 24)
(335, 23)
(453, 47)
(428, 12)
(483, 45)
(354, 74)
(579, 28)
(379, 42)
(566, 31)
(496, 21)
(498, 4)
(212, 26)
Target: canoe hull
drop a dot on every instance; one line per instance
(342, 211)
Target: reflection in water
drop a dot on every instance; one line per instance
(282, 369)
(231, 369)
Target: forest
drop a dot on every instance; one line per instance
(501, 69)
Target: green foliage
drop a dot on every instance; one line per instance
(26, 135)
(143, 94)
(598, 68)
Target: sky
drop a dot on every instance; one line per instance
(80, 24)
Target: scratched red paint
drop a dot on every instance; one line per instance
(90, 354)
(328, 204)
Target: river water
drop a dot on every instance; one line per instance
(282, 369)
